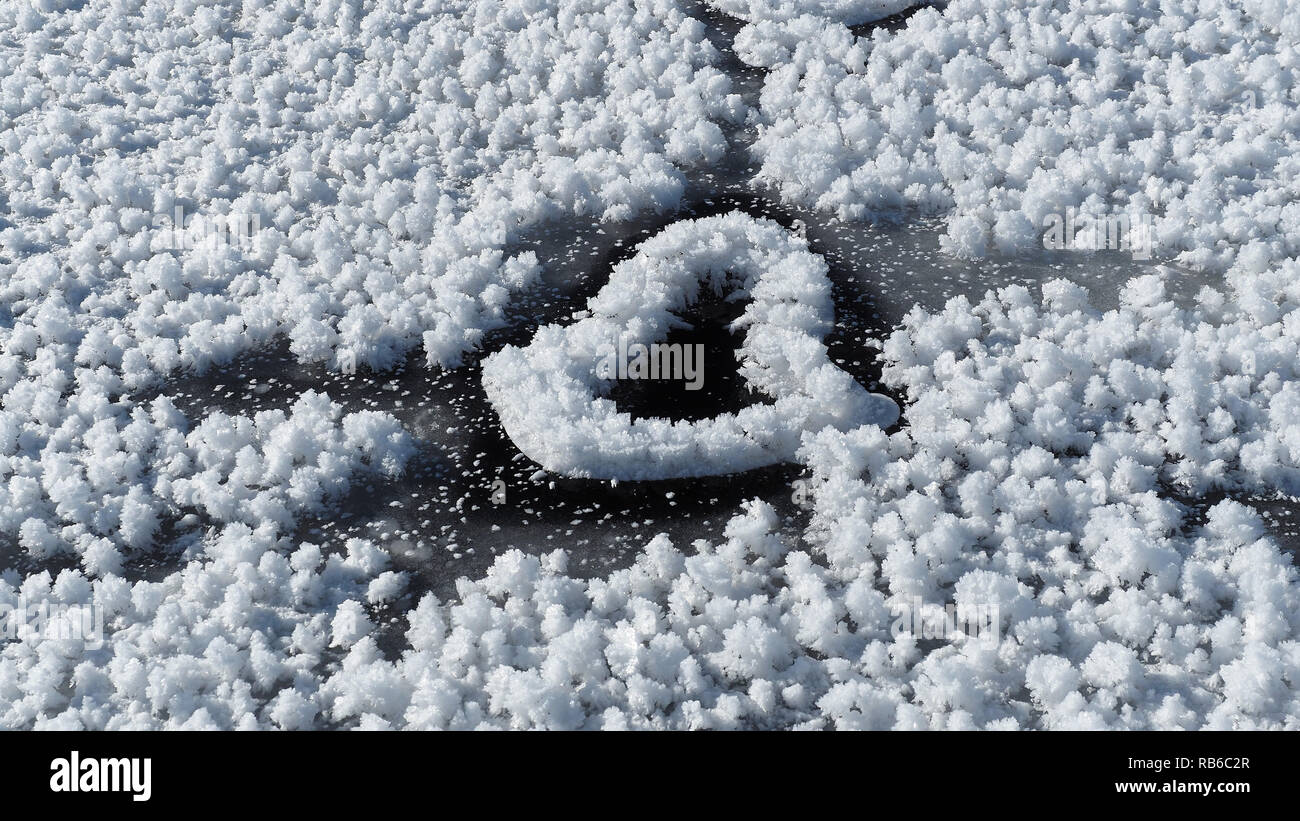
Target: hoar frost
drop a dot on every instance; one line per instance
(388, 157)
(1004, 114)
(1030, 480)
(1045, 442)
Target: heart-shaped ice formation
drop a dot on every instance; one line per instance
(550, 394)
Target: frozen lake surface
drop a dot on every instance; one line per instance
(440, 521)
(276, 543)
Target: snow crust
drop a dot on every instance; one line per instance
(548, 394)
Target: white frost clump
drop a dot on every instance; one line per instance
(233, 639)
(263, 470)
(848, 12)
(102, 483)
(548, 395)
(1003, 114)
(772, 43)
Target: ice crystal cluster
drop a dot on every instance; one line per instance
(547, 394)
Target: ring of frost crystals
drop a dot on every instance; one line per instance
(551, 395)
